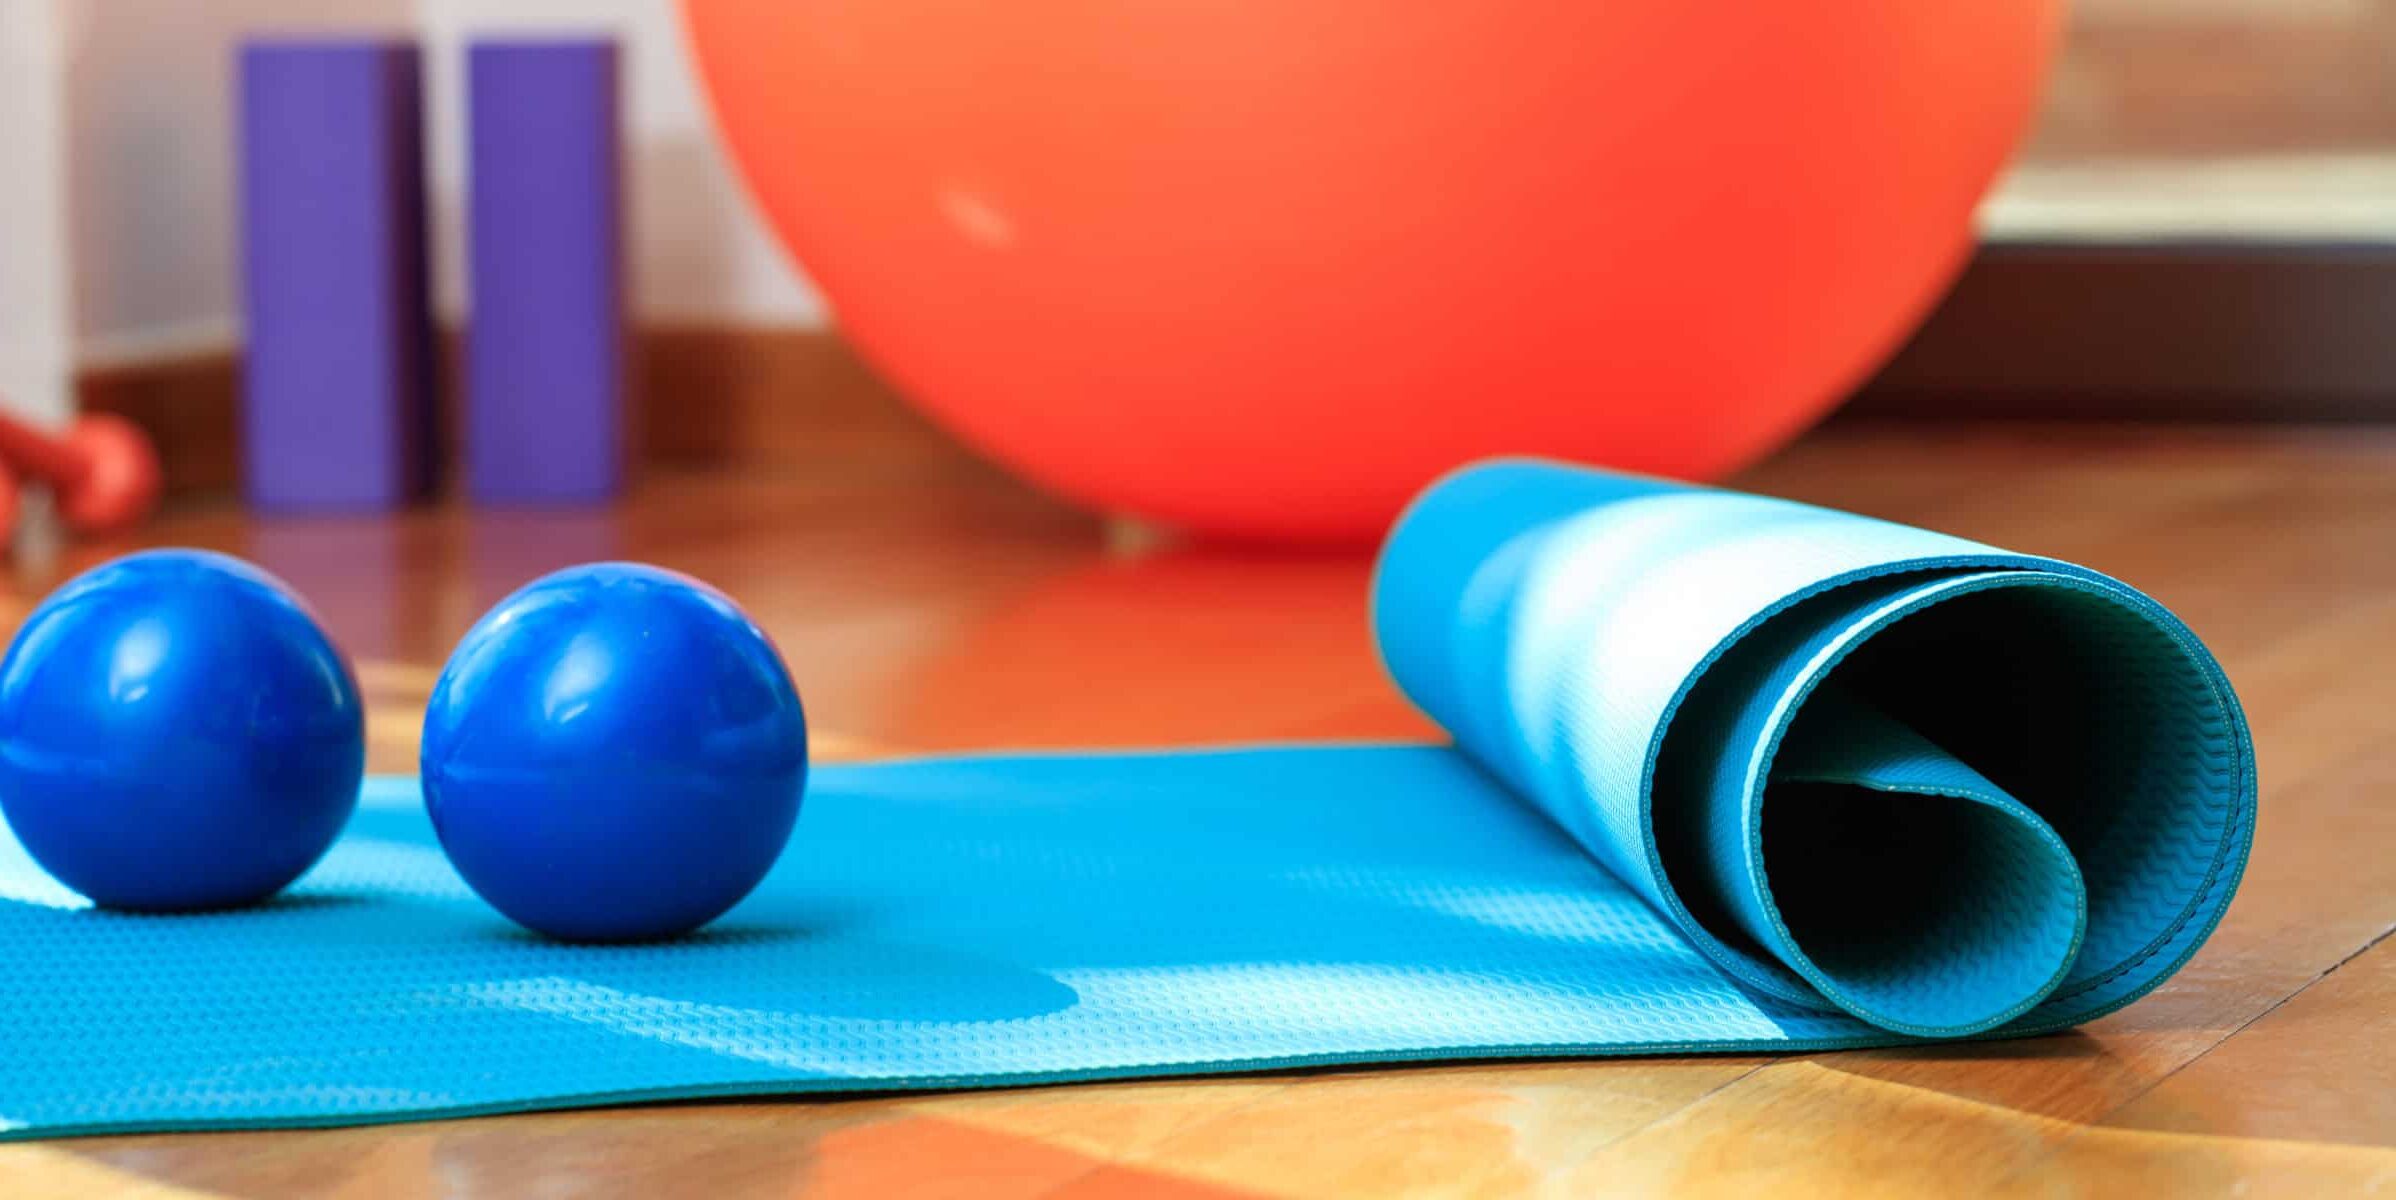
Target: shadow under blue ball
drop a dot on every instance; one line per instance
(177, 733)
(614, 753)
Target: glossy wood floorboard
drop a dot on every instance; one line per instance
(928, 604)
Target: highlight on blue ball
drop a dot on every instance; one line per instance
(614, 753)
(177, 733)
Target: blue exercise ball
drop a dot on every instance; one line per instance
(177, 733)
(614, 753)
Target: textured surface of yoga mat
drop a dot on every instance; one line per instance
(1731, 774)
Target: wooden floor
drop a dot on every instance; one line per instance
(927, 604)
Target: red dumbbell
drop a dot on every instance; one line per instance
(8, 502)
(102, 469)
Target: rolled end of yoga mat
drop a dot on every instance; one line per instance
(1942, 787)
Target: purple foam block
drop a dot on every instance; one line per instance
(545, 382)
(337, 411)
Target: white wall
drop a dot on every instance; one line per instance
(36, 332)
(150, 103)
(151, 173)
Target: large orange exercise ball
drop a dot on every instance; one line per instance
(1265, 267)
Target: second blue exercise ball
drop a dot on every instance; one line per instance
(176, 732)
(614, 753)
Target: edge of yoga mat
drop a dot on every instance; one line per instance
(2188, 934)
(769, 1086)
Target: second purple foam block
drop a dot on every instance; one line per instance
(335, 270)
(544, 420)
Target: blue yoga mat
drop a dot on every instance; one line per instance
(1728, 773)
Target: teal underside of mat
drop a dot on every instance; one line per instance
(1729, 774)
